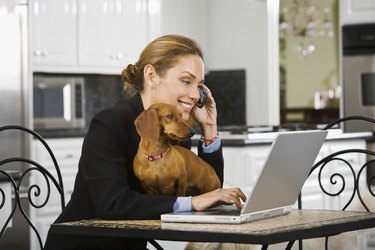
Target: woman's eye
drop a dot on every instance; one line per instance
(186, 81)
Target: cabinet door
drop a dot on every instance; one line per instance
(242, 165)
(67, 152)
(53, 33)
(112, 32)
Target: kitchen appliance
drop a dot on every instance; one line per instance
(15, 97)
(358, 72)
(59, 102)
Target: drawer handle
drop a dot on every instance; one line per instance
(69, 156)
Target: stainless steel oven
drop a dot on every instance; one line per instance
(358, 45)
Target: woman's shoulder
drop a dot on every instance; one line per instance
(121, 112)
(124, 111)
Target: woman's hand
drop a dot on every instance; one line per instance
(207, 116)
(221, 196)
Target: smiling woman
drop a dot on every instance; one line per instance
(169, 70)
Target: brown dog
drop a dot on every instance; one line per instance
(169, 169)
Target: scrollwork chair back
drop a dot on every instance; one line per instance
(33, 190)
(349, 184)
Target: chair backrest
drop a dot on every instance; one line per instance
(33, 190)
(346, 178)
(357, 174)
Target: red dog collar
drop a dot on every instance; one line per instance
(156, 157)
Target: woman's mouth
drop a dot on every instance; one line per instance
(185, 105)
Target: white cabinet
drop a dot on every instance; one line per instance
(242, 165)
(87, 36)
(6, 207)
(104, 36)
(67, 152)
(54, 33)
(356, 11)
(112, 32)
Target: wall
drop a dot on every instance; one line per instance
(317, 71)
(241, 34)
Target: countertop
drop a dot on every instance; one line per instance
(232, 139)
(240, 140)
(14, 174)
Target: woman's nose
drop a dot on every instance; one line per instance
(194, 94)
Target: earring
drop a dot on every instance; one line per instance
(152, 86)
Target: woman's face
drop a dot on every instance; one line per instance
(179, 85)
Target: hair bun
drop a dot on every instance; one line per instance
(129, 73)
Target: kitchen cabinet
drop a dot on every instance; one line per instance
(81, 36)
(67, 152)
(53, 33)
(112, 33)
(356, 11)
(104, 36)
(6, 207)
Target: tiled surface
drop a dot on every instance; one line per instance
(296, 221)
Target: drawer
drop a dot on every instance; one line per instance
(66, 151)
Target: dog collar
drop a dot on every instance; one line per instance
(157, 157)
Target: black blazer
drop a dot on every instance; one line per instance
(105, 185)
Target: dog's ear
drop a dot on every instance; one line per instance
(147, 125)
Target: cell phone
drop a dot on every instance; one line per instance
(202, 97)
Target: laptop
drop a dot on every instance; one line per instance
(276, 190)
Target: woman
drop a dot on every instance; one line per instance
(169, 70)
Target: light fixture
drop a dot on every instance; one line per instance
(302, 19)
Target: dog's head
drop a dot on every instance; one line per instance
(162, 121)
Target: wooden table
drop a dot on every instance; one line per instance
(299, 224)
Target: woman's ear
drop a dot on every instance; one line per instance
(150, 76)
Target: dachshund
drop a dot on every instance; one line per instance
(169, 169)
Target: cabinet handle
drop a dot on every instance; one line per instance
(37, 52)
(69, 156)
(119, 56)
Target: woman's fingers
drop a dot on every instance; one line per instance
(233, 196)
(218, 197)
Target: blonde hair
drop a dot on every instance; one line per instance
(162, 54)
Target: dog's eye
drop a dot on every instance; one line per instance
(170, 116)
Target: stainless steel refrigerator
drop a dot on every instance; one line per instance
(15, 76)
(15, 96)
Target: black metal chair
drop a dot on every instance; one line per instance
(33, 190)
(338, 179)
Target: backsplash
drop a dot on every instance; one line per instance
(228, 87)
(102, 91)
